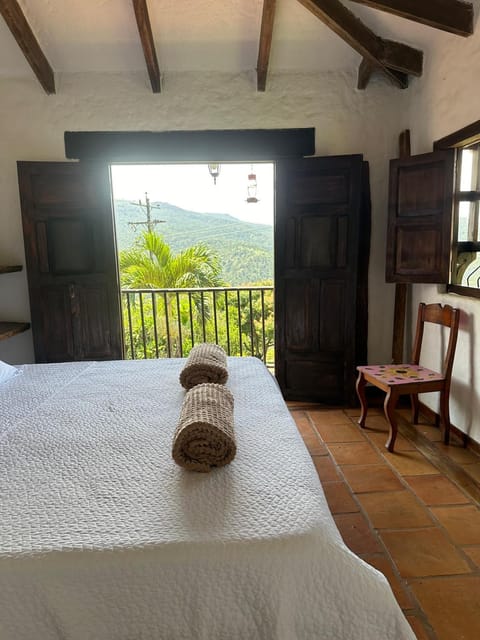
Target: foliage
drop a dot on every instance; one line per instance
(244, 249)
(165, 323)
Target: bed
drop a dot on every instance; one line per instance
(104, 537)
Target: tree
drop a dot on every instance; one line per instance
(150, 264)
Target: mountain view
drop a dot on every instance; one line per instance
(244, 249)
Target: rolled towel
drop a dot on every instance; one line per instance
(205, 436)
(205, 363)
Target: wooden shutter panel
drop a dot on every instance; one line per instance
(420, 218)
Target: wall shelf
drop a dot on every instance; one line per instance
(10, 268)
(9, 329)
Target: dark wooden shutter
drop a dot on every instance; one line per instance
(420, 218)
(322, 224)
(71, 261)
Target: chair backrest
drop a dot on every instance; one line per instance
(446, 316)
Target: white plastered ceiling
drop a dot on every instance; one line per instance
(195, 35)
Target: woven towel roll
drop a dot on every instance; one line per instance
(205, 363)
(205, 437)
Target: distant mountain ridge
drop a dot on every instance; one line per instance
(245, 249)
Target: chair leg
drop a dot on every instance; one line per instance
(360, 386)
(389, 408)
(445, 415)
(415, 407)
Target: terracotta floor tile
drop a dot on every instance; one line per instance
(436, 490)
(452, 606)
(473, 553)
(423, 552)
(354, 453)
(327, 472)
(357, 534)
(399, 588)
(459, 453)
(377, 422)
(364, 478)
(394, 510)
(339, 498)
(314, 445)
(328, 416)
(380, 439)
(418, 628)
(302, 421)
(410, 463)
(340, 432)
(462, 522)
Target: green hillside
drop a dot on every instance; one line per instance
(244, 249)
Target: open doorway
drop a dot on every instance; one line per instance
(195, 253)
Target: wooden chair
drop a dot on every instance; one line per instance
(411, 378)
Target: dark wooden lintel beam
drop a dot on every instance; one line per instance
(390, 56)
(23, 34)
(266, 31)
(449, 15)
(148, 45)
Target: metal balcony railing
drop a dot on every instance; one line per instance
(169, 322)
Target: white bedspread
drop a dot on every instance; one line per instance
(103, 537)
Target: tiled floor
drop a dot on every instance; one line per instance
(418, 525)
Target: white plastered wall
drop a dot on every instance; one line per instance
(446, 100)
(346, 121)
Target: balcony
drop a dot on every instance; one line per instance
(166, 323)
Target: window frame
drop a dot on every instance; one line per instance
(464, 138)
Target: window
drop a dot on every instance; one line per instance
(465, 257)
(466, 238)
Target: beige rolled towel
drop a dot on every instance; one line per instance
(206, 363)
(205, 436)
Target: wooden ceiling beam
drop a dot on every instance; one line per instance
(388, 55)
(453, 16)
(266, 31)
(23, 34)
(366, 70)
(148, 45)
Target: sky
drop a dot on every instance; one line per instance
(190, 186)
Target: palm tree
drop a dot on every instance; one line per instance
(151, 264)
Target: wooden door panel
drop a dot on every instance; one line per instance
(70, 245)
(322, 380)
(53, 319)
(320, 279)
(70, 248)
(301, 315)
(95, 338)
(420, 218)
(332, 306)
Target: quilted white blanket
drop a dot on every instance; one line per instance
(104, 537)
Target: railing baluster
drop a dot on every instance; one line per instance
(179, 322)
(143, 327)
(227, 322)
(192, 336)
(251, 321)
(167, 324)
(203, 316)
(215, 316)
(129, 314)
(239, 322)
(154, 311)
(263, 327)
